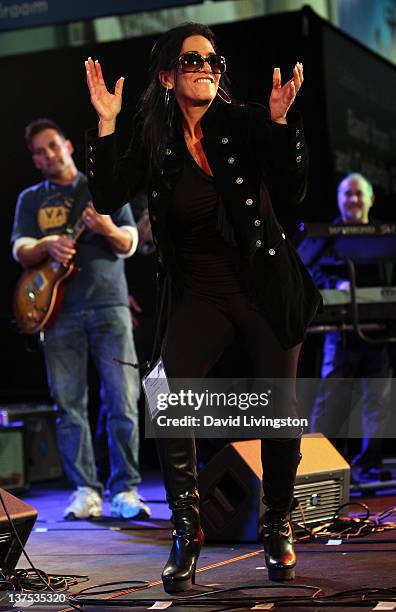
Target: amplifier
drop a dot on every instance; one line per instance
(41, 450)
(12, 457)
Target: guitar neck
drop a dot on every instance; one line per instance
(77, 229)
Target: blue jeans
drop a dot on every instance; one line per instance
(104, 333)
(369, 364)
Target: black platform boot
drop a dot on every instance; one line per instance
(178, 463)
(280, 459)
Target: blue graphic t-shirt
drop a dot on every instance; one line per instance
(44, 209)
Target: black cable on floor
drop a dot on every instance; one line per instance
(354, 598)
(20, 578)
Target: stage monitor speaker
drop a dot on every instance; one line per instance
(231, 492)
(23, 516)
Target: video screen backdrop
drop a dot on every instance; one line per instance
(360, 92)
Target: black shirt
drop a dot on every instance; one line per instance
(210, 266)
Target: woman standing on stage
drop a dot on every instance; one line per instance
(213, 169)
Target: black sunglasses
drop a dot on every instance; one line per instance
(192, 61)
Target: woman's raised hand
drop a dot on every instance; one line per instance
(106, 104)
(283, 97)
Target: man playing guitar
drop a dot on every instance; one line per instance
(93, 318)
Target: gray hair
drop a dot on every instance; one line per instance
(356, 176)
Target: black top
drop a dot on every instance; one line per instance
(210, 266)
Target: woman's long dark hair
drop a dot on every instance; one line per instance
(158, 120)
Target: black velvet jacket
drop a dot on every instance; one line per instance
(258, 166)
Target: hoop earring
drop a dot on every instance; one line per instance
(226, 99)
(167, 96)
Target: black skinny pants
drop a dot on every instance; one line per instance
(197, 334)
(199, 331)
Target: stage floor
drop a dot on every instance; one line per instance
(109, 550)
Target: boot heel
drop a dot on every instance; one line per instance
(278, 574)
(177, 586)
(179, 572)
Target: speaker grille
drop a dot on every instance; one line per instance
(319, 500)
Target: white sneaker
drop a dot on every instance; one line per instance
(84, 503)
(129, 504)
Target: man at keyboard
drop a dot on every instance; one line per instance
(345, 355)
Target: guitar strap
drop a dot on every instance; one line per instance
(80, 194)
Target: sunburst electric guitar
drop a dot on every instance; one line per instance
(39, 292)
